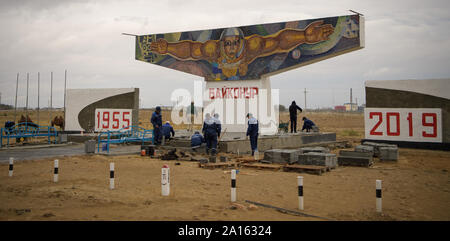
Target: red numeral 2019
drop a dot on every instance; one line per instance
(394, 119)
(380, 120)
(432, 124)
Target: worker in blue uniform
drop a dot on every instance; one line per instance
(156, 121)
(196, 140)
(252, 132)
(166, 130)
(210, 132)
(307, 124)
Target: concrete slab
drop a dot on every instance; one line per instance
(377, 146)
(319, 149)
(265, 143)
(318, 159)
(281, 156)
(355, 154)
(355, 161)
(365, 149)
(388, 153)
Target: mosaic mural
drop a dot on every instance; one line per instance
(249, 52)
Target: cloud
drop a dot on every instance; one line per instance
(404, 39)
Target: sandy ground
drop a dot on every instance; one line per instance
(416, 187)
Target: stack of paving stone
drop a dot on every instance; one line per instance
(355, 158)
(363, 154)
(318, 159)
(365, 149)
(314, 149)
(386, 152)
(281, 156)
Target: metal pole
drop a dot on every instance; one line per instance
(65, 84)
(51, 96)
(15, 105)
(26, 108)
(39, 79)
(351, 100)
(305, 99)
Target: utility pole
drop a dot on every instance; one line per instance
(51, 96)
(15, 105)
(305, 99)
(39, 80)
(65, 85)
(26, 108)
(351, 100)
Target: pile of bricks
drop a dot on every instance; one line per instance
(318, 156)
(363, 154)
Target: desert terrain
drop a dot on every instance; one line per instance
(416, 187)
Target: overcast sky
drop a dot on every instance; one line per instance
(404, 40)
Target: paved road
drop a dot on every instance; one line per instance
(39, 153)
(59, 151)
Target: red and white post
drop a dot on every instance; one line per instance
(165, 180)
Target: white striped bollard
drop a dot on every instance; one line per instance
(300, 192)
(55, 172)
(233, 185)
(111, 175)
(11, 166)
(378, 195)
(165, 180)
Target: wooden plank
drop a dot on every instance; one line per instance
(307, 168)
(246, 159)
(217, 165)
(311, 167)
(263, 166)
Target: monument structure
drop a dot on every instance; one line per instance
(408, 113)
(96, 110)
(236, 63)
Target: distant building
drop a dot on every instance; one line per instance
(351, 106)
(340, 108)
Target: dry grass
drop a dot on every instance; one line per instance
(348, 126)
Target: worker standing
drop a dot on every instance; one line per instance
(156, 121)
(210, 133)
(252, 132)
(293, 115)
(218, 124)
